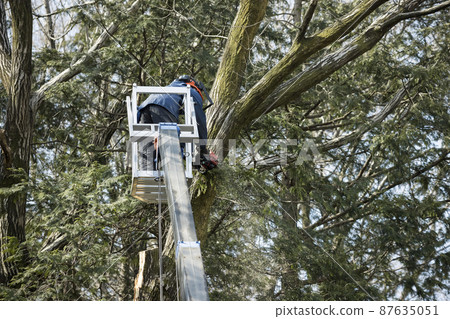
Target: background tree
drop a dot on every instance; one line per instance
(15, 69)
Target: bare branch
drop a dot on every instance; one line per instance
(235, 56)
(59, 241)
(306, 20)
(327, 65)
(254, 103)
(50, 29)
(75, 69)
(417, 14)
(77, 6)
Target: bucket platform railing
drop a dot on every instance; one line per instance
(145, 180)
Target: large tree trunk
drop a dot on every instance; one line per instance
(225, 91)
(17, 135)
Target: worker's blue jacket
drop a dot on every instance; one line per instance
(174, 102)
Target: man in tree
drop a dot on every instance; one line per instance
(158, 108)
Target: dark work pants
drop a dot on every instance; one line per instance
(152, 114)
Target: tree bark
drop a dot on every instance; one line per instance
(5, 49)
(18, 133)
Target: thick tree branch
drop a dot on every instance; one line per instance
(54, 242)
(219, 222)
(297, 12)
(77, 66)
(17, 133)
(250, 103)
(330, 63)
(340, 141)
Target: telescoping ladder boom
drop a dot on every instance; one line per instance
(191, 274)
(190, 270)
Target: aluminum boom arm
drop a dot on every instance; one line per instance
(191, 274)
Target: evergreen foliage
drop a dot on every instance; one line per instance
(366, 219)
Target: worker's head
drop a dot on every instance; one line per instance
(197, 85)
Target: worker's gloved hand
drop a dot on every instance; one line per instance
(208, 161)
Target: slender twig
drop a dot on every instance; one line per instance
(310, 110)
(62, 10)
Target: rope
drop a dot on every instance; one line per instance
(161, 282)
(176, 275)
